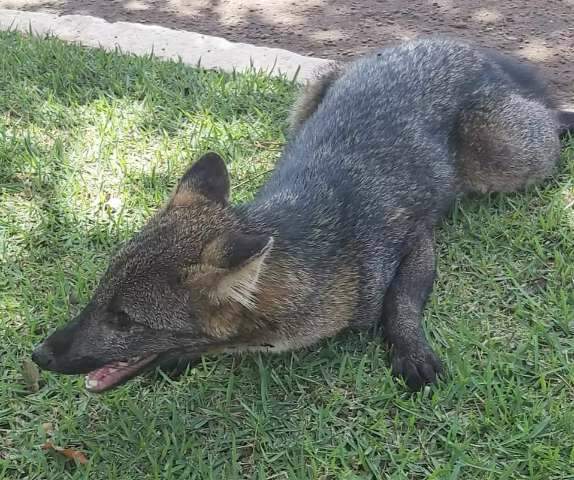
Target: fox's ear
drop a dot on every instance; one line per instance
(230, 267)
(208, 177)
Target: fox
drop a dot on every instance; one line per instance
(341, 234)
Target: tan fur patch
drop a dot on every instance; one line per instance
(284, 287)
(340, 300)
(185, 198)
(222, 324)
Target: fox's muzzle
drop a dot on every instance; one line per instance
(56, 352)
(43, 356)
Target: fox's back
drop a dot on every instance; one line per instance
(405, 85)
(380, 138)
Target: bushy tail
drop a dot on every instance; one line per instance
(565, 122)
(312, 96)
(508, 143)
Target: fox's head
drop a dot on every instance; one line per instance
(179, 288)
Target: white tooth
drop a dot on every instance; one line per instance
(122, 364)
(90, 384)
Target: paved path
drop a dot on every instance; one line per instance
(540, 30)
(192, 48)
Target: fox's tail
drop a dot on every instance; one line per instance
(566, 122)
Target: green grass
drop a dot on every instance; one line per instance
(90, 145)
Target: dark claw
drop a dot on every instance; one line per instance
(418, 367)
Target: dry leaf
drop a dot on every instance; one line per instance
(48, 428)
(69, 453)
(31, 375)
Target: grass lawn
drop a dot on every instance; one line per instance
(90, 145)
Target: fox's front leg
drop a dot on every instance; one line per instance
(176, 367)
(412, 357)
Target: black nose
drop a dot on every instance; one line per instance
(42, 356)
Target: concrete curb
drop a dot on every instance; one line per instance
(192, 48)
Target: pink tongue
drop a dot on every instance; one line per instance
(112, 373)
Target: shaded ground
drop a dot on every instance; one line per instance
(542, 31)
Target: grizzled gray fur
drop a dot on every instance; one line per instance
(340, 236)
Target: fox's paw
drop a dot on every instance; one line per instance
(418, 366)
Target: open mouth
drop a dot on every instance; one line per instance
(115, 373)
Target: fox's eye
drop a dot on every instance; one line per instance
(121, 321)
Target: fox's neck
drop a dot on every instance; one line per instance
(284, 279)
(304, 286)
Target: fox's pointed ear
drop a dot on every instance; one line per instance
(230, 267)
(207, 177)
